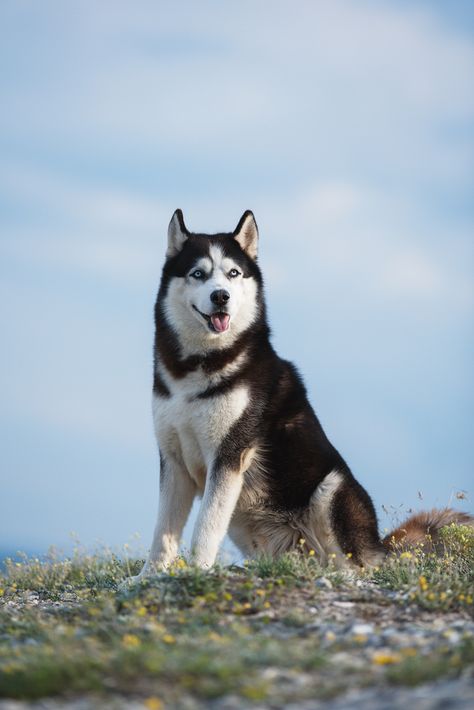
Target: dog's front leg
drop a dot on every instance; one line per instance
(221, 494)
(177, 491)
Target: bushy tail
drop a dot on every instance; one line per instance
(423, 528)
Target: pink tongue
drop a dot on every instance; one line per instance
(220, 321)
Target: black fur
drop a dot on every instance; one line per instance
(280, 421)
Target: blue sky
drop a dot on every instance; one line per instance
(346, 127)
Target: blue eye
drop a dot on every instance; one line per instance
(198, 274)
(233, 273)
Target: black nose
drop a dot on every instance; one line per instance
(220, 297)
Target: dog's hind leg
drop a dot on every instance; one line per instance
(341, 524)
(177, 491)
(354, 524)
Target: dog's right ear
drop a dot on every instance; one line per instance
(177, 234)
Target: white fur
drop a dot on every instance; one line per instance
(185, 292)
(189, 432)
(176, 498)
(192, 429)
(217, 507)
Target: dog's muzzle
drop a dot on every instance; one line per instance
(217, 322)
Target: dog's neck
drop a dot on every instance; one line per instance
(169, 352)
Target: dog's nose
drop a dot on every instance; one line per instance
(220, 297)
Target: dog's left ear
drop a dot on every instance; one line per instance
(246, 234)
(177, 234)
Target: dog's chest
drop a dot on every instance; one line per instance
(190, 428)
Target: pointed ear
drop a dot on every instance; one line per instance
(177, 234)
(246, 233)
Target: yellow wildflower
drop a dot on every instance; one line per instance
(153, 703)
(130, 641)
(383, 658)
(423, 583)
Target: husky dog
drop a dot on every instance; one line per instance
(234, 425)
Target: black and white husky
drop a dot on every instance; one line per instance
(234, 425)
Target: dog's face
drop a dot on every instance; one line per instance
(212, 283)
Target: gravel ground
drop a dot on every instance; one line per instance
(444, 695)
(362, 630)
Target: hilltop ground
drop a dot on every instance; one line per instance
(282, 633)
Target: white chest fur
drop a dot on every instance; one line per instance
(190, 429)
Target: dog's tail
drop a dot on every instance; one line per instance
(424, 528)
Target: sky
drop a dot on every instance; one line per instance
(346, 127)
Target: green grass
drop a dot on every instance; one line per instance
(446, 663)
(66, 627)
(438, 581)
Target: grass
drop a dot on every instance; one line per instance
(66, 628)
(445, 663)
(437, 581)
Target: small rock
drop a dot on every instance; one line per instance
(362, 629)
(452, 636)
(323, 583)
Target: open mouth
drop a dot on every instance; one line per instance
(217, 322)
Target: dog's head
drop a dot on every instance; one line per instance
(211, 283)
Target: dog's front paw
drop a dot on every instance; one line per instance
(203, 562)
(150, 570)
